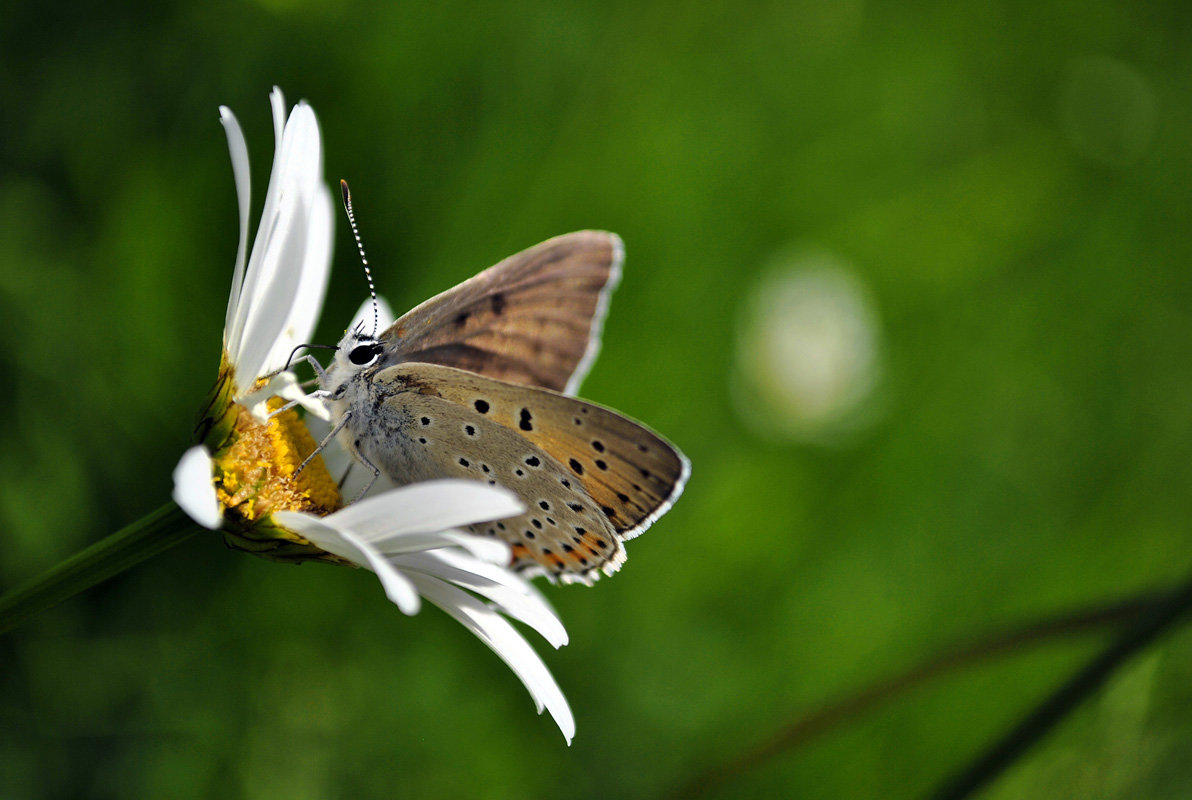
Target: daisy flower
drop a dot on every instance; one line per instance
(253, 476)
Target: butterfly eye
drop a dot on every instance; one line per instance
(364, 354)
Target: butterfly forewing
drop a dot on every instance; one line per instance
(533, 319)
(630, 473)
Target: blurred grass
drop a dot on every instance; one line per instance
(988, 170)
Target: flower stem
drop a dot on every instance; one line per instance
(834, 714)
(1044, 717)
(153, 534)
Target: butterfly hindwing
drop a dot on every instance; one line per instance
(533, 319)
(632, 474)
(424, 435)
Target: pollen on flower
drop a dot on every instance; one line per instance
(292, 444)
(257, 474)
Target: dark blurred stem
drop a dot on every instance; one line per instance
(805, 728)
(155, 533)
(1157, 620)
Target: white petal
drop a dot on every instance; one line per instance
(291, 390)
(324, 535)
(238, 150)
(385, 316)
(271, 281)
(194, 489)
(427, 507)
(346, 544)
(312, 286)
(514, 596)
(277, 102)
(398, 587)
(334, 456)
(290, 260)
(493, 551)
(506, 642)
(364, 316)
(283, 385)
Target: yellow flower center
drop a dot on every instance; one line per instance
(257, 473)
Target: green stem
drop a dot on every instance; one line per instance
(835, 714)
(153, 534)
(1056, 707)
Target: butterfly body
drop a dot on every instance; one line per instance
(474, 384)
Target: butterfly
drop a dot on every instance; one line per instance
(478, 383)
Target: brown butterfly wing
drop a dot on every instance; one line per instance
(562, 533)
(533, 319)
(632, 474)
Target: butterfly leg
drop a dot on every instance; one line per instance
(343, 479)
(376, 474)
(320, 373)
(320, 394)
(339, 426)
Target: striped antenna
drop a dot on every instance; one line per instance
(372, 290)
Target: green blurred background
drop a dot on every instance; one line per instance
(909, 283)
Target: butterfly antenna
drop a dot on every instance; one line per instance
(372, 289)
